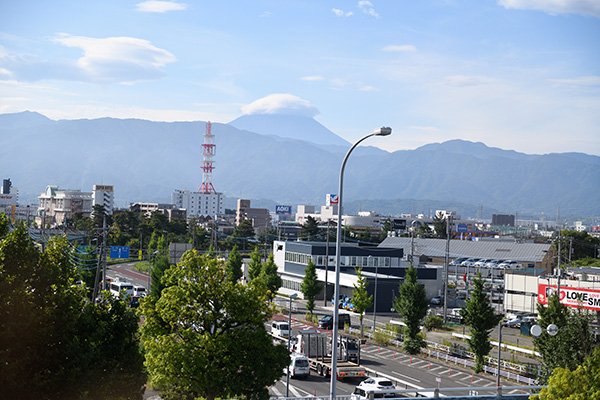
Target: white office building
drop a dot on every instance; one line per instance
(103, 195)
(57, 206)
(199, 204)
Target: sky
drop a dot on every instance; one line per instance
(515, 74)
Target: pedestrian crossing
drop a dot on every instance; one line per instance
(379, 352)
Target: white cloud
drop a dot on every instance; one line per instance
(160, 6)
(367, 88)
(592, 80)
(367, 7)
(117, 59)
(313, 78)
(399, 48)
(584, 7)
(341, 13)
(281, 103)
(5, 74)
(266, 14)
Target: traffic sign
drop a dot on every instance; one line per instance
(119, 251)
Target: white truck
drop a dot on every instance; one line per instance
(316, 346)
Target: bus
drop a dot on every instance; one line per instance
(121, 288)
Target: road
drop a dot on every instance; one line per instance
(406, 371)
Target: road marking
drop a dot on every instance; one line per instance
(445, 372)
(276, 392)
(436, 368)
(418, 362)
(479, 380)
(405, 376)
(456, 374)
(295, 392)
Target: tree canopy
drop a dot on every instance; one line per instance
(481, 318)
(205, 336)
(581, 383)
(54, 342)
(573, 342)
(361, 299)
(411, 305)
(310, 286)
(234, 264)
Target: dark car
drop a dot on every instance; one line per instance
(327, 321)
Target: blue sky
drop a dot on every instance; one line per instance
(514, 74)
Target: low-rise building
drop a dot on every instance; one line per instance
(57, 206)
(383, 268)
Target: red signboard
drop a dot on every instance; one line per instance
(570, 296)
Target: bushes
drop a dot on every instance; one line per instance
(432, 322)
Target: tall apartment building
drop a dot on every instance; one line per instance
(199, 204)
(103, 195)
(259, 217)
(59, 205)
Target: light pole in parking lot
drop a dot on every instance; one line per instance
(384, 131)
(293, 296)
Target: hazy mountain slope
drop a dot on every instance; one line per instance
(289, 126)
(147, 160)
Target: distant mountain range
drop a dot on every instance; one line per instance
(276, 159)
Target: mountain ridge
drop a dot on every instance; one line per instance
(147, 160)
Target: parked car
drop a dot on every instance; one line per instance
(437, 300)
(481, 263)
(327, 321)
(493, 263)
(458, 261)
(510, 264)
(469, 262)
(512, 323)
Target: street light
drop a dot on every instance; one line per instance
(293, 296)
(375, 302)
(384, 131)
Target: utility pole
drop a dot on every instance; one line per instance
(446, 264)
(326, 265)
(102, 251)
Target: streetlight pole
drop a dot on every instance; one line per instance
(379, 132)
(375, 300)
(293, 296)
(499, 355)
(326, 265)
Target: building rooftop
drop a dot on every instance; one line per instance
(525, 252)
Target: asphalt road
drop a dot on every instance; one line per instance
(407, 372)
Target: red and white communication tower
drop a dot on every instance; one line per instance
(208, 152)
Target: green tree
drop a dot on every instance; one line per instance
(55, 343)
(205, 337)
(158, 265)
(3, 225)
(310, 229)
(411, 305)
(439, 225)
(573, 342)
(269, 277)
(234, 264)
(361, 299)
(255, 265)
(581, 383)
(243, 232)
(310, 286)
(481, 318)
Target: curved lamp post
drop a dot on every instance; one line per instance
(384, 131)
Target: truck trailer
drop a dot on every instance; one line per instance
(316, 346)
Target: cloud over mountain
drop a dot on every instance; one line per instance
(281, 103)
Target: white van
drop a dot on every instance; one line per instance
(139, 291)
(119, 288)
(299, 367)
(280, 328)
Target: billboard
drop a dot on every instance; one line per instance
(283, 209)
(570, 296)
(331, 200)
(119, 251)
